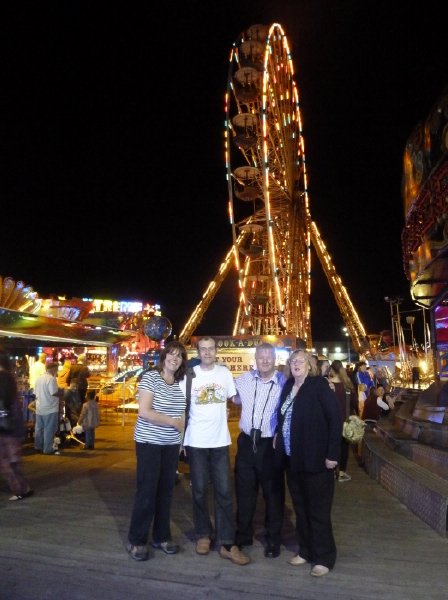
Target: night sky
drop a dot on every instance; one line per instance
(112, 128)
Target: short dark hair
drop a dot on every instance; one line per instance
(206, 337)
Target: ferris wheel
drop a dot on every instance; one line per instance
(267, 186)
(268, 199)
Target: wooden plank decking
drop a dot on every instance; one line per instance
(67, 541)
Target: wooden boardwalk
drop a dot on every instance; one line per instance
(67, 541)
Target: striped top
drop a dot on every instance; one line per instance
(169, 400)
(259, 401)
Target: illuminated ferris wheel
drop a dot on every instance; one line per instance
(267, 186)
(268, 199)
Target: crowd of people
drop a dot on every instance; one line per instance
(290, 436)
(59, 396)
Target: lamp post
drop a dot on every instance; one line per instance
(347, 335)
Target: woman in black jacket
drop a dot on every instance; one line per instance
(308, 441)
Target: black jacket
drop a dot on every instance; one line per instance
(316, 425)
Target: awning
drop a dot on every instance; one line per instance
(38, 328)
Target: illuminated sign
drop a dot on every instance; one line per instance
(122, 306)
(224, 342)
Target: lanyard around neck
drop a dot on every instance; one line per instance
(265, 404)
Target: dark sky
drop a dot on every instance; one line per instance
(112, 128)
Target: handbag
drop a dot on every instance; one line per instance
(353, 429)
(7, 420)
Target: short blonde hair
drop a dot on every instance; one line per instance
(313, 372)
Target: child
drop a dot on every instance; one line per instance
(89, 419)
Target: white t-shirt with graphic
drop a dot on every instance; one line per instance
(207, 426)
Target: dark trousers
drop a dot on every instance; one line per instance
(156, 474)
(212, 464)
(252, 471)
(312, 497)
(343, 459)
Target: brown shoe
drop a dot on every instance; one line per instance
(235, 555)
(203, 545)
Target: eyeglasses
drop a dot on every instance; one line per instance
(297, 362)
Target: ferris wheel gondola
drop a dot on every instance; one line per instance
(267, 185)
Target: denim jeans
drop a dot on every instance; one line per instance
(212, 464)
(44, 432)
(90, 438)
(156, 476)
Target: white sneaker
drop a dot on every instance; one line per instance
(343, 476)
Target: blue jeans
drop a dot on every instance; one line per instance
(44, 432)
(90, 438)
(212, 464)
(156, 476)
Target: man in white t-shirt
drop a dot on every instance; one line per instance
(207, 440)
(47, 410)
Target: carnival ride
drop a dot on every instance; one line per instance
(425, 235)
(269, 208)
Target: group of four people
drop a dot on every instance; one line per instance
(290, 426)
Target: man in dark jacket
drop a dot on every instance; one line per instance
(79, 374)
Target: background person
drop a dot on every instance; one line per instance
(160, 425)
(258, 392)
(207, 440)
(308, 441)
(11, 441)
(348, 405)
(80, 373)
(63, 374)
(37, 369)
(323, 367)
(375, 406)
(89, 419)
(47, 410)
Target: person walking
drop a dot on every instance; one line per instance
(158, 433)
(307, 442)
(89, 419)
(258, 393)
(207, 440)
(12, 437)
(47, 410)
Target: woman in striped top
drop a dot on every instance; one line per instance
(158, 433)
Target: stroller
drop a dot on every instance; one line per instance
(66, 434)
